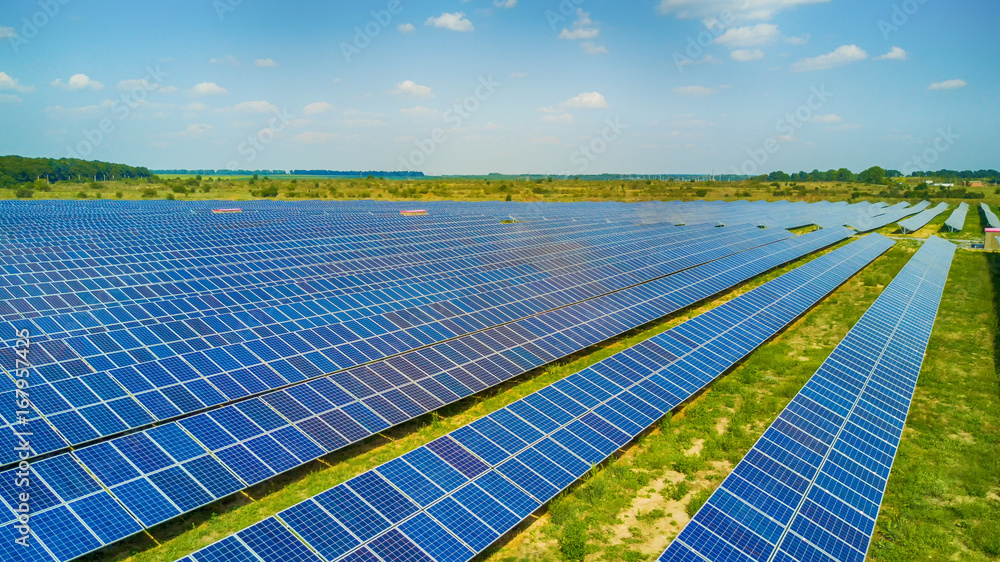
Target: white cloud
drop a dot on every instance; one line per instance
(317, 108)
(197, 106)
(742, 10)
(9, 98)
(419, 111)
(518, 75)
(948, 85)
(800, 40)
(455, 22)
(828, 119)
(749, 36)
(746, 55)
(695, 91)
(406, 28)
(411, 88)
(565, 118)
(7, 32)
(265, 63)
(8, 82)
(195, 131)
(841, 56)
(169, 90)
(895, 53)
(587, 100)
(208, 89)
(255, 107)
(846, 127)
(580, 33)
(228, 60)
(78, 82)
(593, 49)
(316, 137)
(506, 4)
(707, 59)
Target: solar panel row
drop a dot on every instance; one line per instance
(876, 217)
(83, 405)
(991, 218)
(167, 470)
(452, 498)
(956, 222)
(811, 488)
(921, 220)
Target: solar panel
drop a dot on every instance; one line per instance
(921, 220)
(504, 466)
(174, 385)
(285, 434)
(991, 218)
(956, 222)
(811, 488)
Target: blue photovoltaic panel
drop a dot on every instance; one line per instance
(505, 466)
(956, 222)
(811, 488)
(920, 220)
(991, 218)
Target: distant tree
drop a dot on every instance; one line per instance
(874, 176)
(509, 198)
(24, 192)
(844, 175)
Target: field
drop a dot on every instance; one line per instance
(942, 501)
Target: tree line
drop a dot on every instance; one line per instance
(877, 176)
(17, 170)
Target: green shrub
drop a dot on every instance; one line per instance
(696, 502)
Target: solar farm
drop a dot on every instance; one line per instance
(454, 382)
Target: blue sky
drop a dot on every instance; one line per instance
(514, 86)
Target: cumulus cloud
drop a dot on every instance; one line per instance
(518, 75)
(455, 22)
(7, 32)
(948, 85)
(317, 108)
(506, 4)
(406, 28)
(411, 88)
(565, 118)
(746, 55)
(840, 57)
(78, 82)
(8, 82)
(255, 107)
(587, 100)
(207, 89)
(800, 40)
(9, 98)
(697, 91)
(896, 53)
(827, 119)
(742, 10)
(195, 131)
(265, 63)
(749, 36)
(584, 29)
